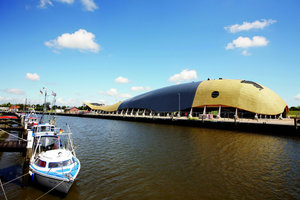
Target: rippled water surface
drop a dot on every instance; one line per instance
(134, 160)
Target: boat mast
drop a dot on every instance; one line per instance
(45, 108)
(53, 121)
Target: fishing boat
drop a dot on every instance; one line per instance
(54, 163)
(31, 119)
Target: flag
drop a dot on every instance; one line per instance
(53, 93)
(61, 131)
(41, 91)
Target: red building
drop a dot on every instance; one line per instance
(72, 110)
(14, 107)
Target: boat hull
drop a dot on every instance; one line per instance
(60, 185)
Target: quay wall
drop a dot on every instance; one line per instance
(275, 126)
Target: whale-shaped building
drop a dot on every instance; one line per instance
(231, 95)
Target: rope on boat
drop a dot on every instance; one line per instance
(50, 190)
(15, 179)
(3, 190)
(12, 135)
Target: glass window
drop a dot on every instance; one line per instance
(40, 163)
(67, 162)
(215, 94)
(54, 164)
(60, 164)
(45, 128)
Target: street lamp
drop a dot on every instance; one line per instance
(178, 104)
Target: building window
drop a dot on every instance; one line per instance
(215, 94)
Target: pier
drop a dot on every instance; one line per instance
(15, 138)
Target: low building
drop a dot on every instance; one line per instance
(14, 108)
(59, 110)
(73, 110)
(4, 108)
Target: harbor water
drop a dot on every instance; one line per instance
(134, 160)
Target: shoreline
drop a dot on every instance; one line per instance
(271, 126)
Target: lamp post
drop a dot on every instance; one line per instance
(178, 104)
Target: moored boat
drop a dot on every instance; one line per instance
(54, 163)
(56, 169)
(31, 119)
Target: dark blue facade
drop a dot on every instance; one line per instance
(165, 99)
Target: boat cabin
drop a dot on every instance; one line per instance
(41, 163)
(44, 129)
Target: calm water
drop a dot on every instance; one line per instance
(128, 160)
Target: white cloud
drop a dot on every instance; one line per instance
(80, 40)
(69, 102)
(185, 75)
(33, 77)
(44, 3)
(125, 96)
(89, 5)
(114, 93)
(140, 88)
(246, 53)
(121, 80)
(246, 26)
(15, 91)
(297, 97)
(246, 42)
(5, 99)
(66, 1)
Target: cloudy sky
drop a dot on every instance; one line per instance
(109, 50)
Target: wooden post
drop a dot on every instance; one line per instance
(22, 120)
(27, 158)
(295, 122)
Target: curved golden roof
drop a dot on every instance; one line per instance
(245, 95)
(109, 108)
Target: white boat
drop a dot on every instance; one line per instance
(56, 169)
(54, 163)
(31, 119)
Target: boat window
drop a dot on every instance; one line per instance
(45, 128)
(49, 142)
(60, 164)
(54, 164)
(67, 162)
(40, 163)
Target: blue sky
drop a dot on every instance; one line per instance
(110, 50)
